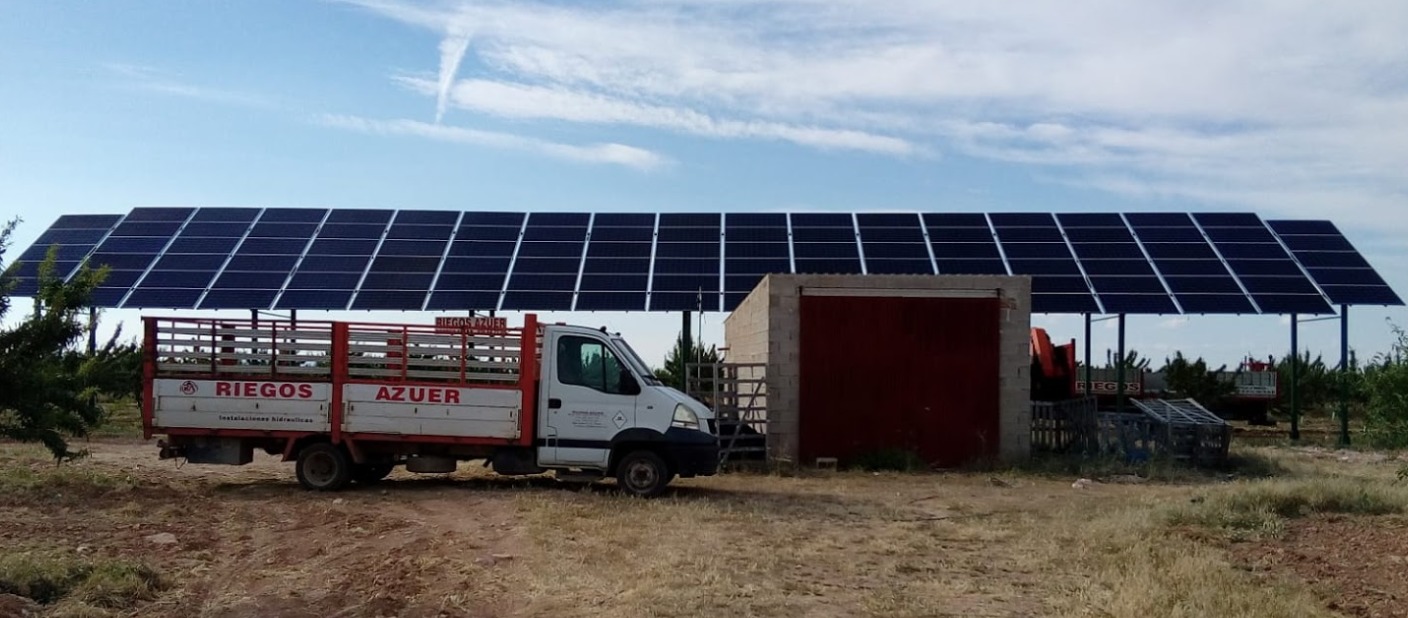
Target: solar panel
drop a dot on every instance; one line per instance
(443, 260)
(1334, 264)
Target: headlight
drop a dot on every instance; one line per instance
(685, 417)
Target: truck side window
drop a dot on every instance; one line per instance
(588, 362)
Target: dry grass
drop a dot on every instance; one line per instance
(1017, 542)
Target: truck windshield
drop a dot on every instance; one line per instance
(633, 359)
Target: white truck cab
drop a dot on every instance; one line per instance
(601, 404)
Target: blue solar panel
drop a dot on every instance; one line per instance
(422, 248)
(624, 282)
(757, 266)
(1278, 285)
(476, 265)
(1108, 250)
(543, 282)
(272, 246)
(1361, 295)
(214, 229)
(273, 229)
(1317, 243)
(960, 235)
(541, 301)
(1292, 303)
(351, 230)
(688, 234)
(293, 215)
(617, 266)
(686, 266)
(1044, 267)
(828, 266)
(610, 301)
(1181, 251)
(1191, 267)
(159, 214)
(887, 219)
(1052, 284)
(698, 250)
(1030, 235)
(546, 265)
(178, 279)
(462, 300)
(898, 267)
(500, 233)
(1216, 303)
(238, 299)
(420, 232)
(1202, 285)
(85, 236)
(167, 298)
(262, 263)
(1227, 219)
(1044, 250)
(120, 261)
(1252, 251)
(831, 251)
(398, 281)
(183, 244)
(389, 300)
(205, 262)
(1311, 228)
(226, 215)
(623, 234)
(567, 219)
(1285, 268)
(624, 219)
(1346, 276)
(967, 250)
(1158, 219)
(1117, 267)
(910, 234)
(954, 219)
(743, 235)
(475, 281)
(554, 234)
(103, 222)
(971, 267)
(895, 250)
(149, 228)
(481, 249)
(143, 245)
(1147, 304)
(1002, 220)
(823, 234)
(565, 250)
(601, 250)
(1127, 285)
(324, 281)
(356, 215)
(334, 264)
(511, 219)
(1188, 234)
(683, 301)
(427, 217)
(314, 299)
(822, 219)
(392, 263)
(1240, 234)
(1090, 220)
(756, 219)
(62, 253)
(1333, 263)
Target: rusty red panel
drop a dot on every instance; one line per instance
(920, 374)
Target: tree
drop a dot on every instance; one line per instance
(1194, 380)
(48, 388)
(1385, 385)
(676, 360)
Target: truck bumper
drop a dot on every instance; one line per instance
(693, 453)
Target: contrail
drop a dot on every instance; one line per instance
(452, 50)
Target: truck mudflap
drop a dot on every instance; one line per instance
(692, 453)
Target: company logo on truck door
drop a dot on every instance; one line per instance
(266, 390)
(418, 394)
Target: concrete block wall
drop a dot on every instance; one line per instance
(783, 353)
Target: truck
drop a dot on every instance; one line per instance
(348, 402)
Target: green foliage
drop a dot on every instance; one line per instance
(1194, 380)
(1385, 387)
(676, 360)
(50, 577)
(48, 389)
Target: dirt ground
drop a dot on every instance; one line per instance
(247, 541)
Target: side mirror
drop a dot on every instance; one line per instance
(629, 386)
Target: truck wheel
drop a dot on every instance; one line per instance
(369, 474)
(323, 467)
(643, 474)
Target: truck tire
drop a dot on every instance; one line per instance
(371, 474)
(323, 467)
(643, 474)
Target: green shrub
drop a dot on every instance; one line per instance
(50, 577)
(1262, 508)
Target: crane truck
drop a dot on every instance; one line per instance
(348, 402)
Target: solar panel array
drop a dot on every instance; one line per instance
(288, 258)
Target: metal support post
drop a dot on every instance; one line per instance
(1089, 375)
(1344, 375)
(686, 344)
(1295, 377)
(1119, 371)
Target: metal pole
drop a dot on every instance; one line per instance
(92, 331)
(1295, 377)
(1344, 375)
(1119, 371)
(685, 346)
(1089, 375)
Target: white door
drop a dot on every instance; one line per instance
(587, 401)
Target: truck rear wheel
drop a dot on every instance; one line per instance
(323, 467)
(368, 474)
(643, 474)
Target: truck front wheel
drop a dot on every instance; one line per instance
(643, 474)
(323, 467)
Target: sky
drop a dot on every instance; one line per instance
(1287, 108)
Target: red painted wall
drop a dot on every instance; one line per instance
(913, 373)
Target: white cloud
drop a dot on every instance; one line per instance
(615, 154)
(1288, 109)
(1174, 323)
(156, 80)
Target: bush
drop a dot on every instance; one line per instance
(1386, 388)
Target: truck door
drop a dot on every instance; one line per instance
(590, 397)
